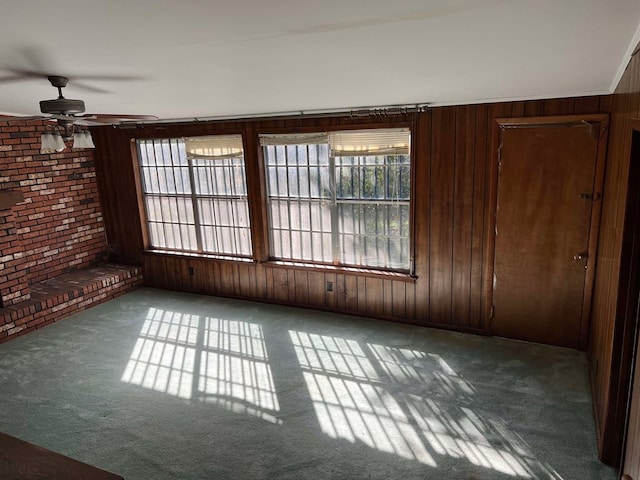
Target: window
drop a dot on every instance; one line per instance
(340, 198)
(195, 194)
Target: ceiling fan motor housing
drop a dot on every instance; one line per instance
(62, 106)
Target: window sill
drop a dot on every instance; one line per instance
(314, 267)
(208, 256)
(363, 272)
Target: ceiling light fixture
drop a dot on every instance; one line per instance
(53, 140)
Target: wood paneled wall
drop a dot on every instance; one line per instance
(452, 153)
(609, 346)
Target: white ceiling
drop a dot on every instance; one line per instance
(204, 58)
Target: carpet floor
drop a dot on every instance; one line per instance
(163, 385)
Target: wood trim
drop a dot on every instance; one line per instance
(361, 272)
(625, 327)
(21, 459)
(417, 142)
(498, 126)
(490, 231)
(262, 201)
(551, 119)
(9, 198)
(594, 228)
(199, 256)
(142, 211)
(255, 193)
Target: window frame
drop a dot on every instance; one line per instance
(408, 274)
(193, 198)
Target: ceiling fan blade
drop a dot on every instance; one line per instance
(19, 73)
(109, 78)
(75, 81)
(124, 116)
(97, 121)
(101, 120)
(13, 78)
(26, 73)
(109, 119)
(85, 86)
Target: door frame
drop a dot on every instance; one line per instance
(627, 322)
(501, 124)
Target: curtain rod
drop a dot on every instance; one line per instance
(361, 112)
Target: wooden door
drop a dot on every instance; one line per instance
(548, 182)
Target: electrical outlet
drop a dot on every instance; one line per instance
(191, 271)
(329, 286)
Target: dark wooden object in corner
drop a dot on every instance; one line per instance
(8, 198)
(20, 460)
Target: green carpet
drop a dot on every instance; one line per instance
(163, 385)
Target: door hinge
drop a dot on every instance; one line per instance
(594, 197)
(491, 311)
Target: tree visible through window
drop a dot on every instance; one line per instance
(341, 197)
(195, 194)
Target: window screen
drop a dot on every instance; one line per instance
(340, 197)
(195, 194)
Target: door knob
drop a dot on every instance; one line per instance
(580, 256)
(626, 477)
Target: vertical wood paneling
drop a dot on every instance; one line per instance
(280, 285)
(587, 105)
(451, 158)
(301, 286)
(606, 103)
(607, 342)
(399, 307)
(441, 213)
(387, 298)
(558, 106)
(463, 214)
(374, 297)
(316, 288)
(361, 286)
(245, 275)
(331, 298)
(533, 108)
(518, 109)
(411, 293)
(478, 215)
(341, 293)
(210, 280)
(421, 207)
(118, 194)
(260, 281)
(351, 293)
(228, 279)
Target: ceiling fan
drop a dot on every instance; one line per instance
(67, 112)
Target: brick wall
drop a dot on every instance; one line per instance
(51, 242)
(14, 285)
(59, 224)
(58, 298)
